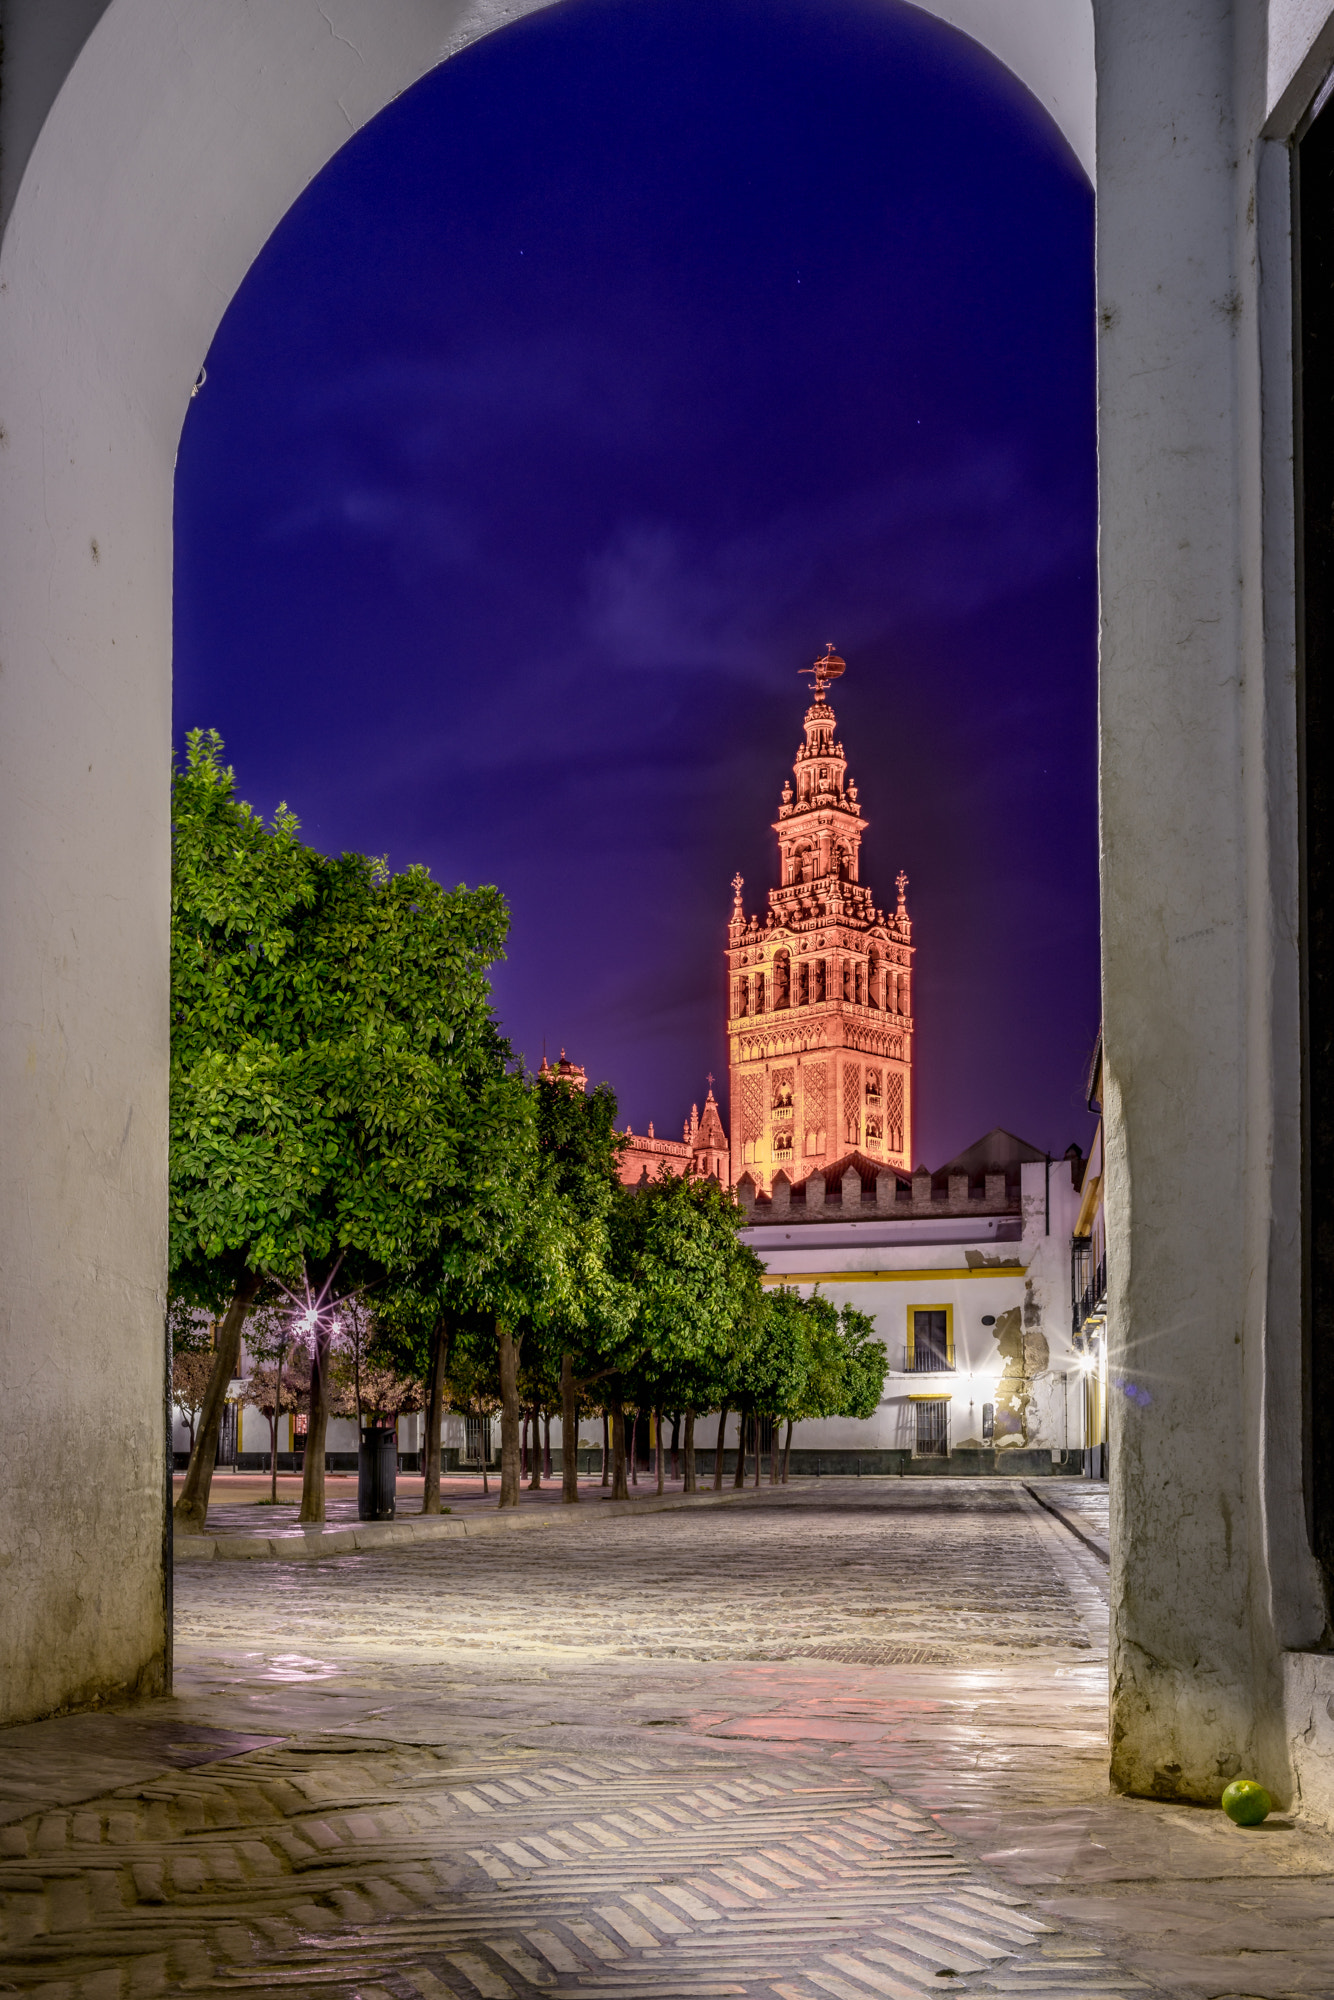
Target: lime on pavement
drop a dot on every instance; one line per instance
(1247, 1803)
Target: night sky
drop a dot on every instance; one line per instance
(628, 358)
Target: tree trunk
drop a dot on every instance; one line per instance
(569, 1433)
(606, 1449)
(657, 1449)
(722, 1446)
(632, 1437)
(689, 1484)
(758, 1454)
(773, 1454)
(273, 1445)
(676, 1445)
(317, 1424)
(509, 1416)
(546, 1444)
(191, 1510)
(273, 1437)
(787, 1449)
(739, 1478)
(535, 1466)
(523, 1446)
(435, 1409)
(619, 1489)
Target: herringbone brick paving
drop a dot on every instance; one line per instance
(618, 1760)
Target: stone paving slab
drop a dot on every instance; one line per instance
(646, 1758)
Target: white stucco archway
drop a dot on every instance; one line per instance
(150, 147)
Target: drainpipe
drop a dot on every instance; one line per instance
(1047, 1224)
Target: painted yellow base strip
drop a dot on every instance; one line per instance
(925, 1276)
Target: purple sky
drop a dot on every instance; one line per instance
(628, 358)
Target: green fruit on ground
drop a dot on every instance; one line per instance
(1247, 1803)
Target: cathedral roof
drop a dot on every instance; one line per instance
(997, 1151)
(834, 1170)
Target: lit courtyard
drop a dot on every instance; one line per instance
(845, 1739)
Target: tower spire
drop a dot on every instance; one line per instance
(819, 1017)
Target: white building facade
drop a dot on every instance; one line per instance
(966, 1275)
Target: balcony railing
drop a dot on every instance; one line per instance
(833, 1005)
(1088, 1286)
(921, 1360)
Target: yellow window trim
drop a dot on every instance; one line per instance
(934, 1397)
(948, 1311)
(931, 1277)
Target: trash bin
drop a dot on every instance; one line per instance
(377, 1474)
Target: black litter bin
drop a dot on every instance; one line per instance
(377, 1474)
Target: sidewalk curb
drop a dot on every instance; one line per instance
(1054, 1508)
(311, 1543)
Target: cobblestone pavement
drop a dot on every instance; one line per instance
(845, 1743)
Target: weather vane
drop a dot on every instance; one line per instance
(827, 668)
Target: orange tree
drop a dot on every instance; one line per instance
(695, 1303)
(325, 1017)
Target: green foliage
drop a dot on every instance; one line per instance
(864, 1364)
(328, 1022)
(696, 1303)
(814, 1361)
(189, 1325)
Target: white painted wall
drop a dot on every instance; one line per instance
(1043, 1287)
(1211, 1576)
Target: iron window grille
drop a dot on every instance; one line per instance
(933, 1427)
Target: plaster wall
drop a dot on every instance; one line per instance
(1211, 1575)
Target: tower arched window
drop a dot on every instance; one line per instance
(782, 980)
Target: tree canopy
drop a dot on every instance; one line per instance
(331, 1022)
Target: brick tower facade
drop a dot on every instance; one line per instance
(820, 992)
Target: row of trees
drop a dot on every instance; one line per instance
(358, 1159)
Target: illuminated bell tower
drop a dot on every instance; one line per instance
(820, 991)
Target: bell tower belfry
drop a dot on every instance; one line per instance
(820, 1021)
